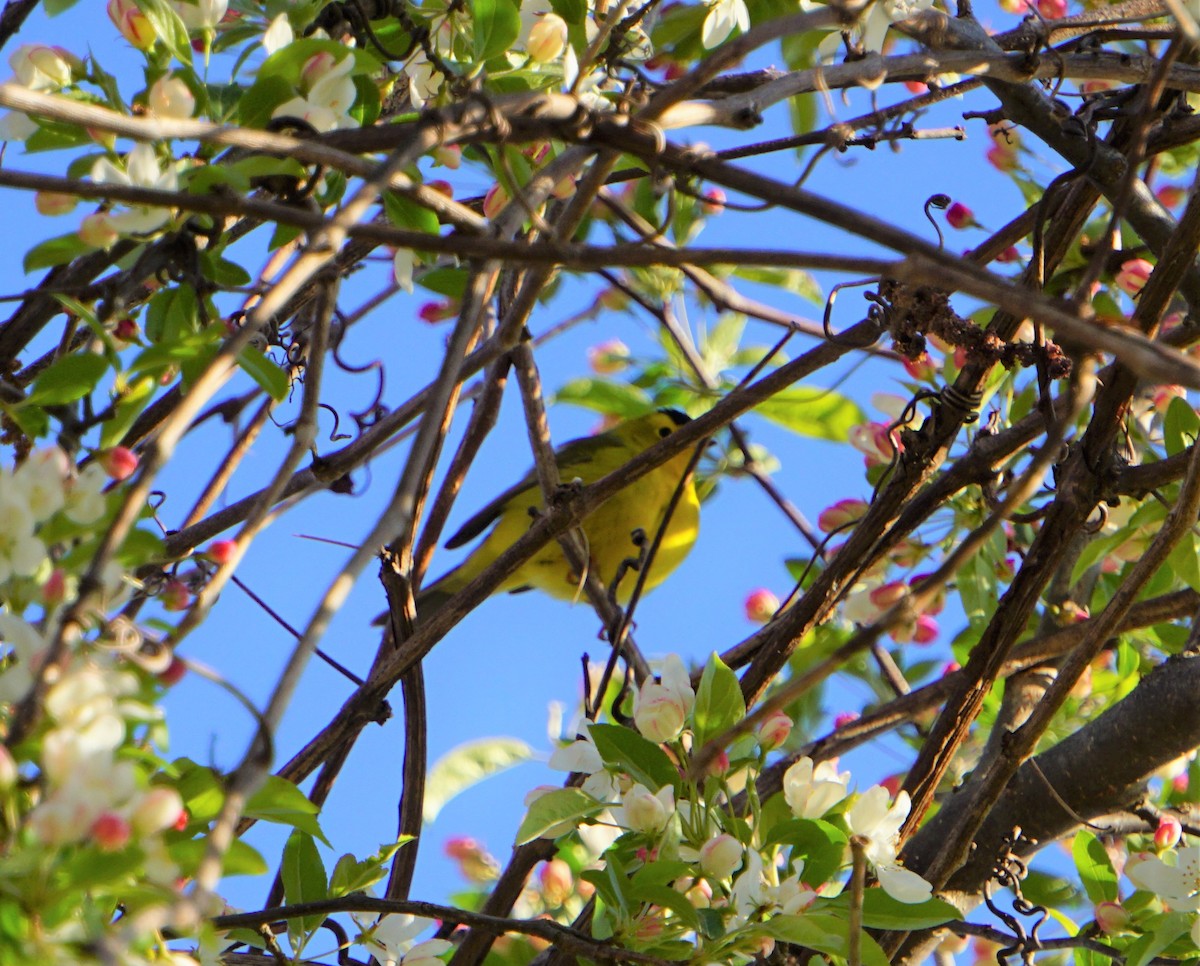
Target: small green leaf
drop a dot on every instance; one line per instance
(1095, 867)
(556, 813)
(497, 25)
(881, 911)
(822, 845)
(1166, 930)
(624, 749)
(170, 27)
(826, 934)
(719, 701)
(609, 398)
(303, 875)
(405, 213)
(55, 251)
(1181, 425)
(260, 367)
(279, 801)
(69, 378)
(355, 875)
(467, 765)
(816, 413)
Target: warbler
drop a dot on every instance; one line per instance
(613, 532)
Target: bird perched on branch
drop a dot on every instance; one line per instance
(614, 533)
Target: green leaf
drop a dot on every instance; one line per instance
(467, 765)
(824, 933)
(55, 251)
(816, 413)
(556, 813)
(170, 27)
(303, 875)
(54, 7)
(279, 801)
(881, 911)
(1183, 561)
(260, 367)
(240, 859)
(354, 875)
(1095, 867)
(719, 701)
(497, 24)
(821, 845)
(1166, 930)
(624, 749)
(609, 398)
(69, 378)
(405, 213)
(1181, 425)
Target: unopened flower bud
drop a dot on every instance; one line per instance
(760, 606)
(119, 462)
(54, 203)
(1112, 918)
(547, 38)
(721, 856)
(1168, 833)
(110, 832)
(774, 730)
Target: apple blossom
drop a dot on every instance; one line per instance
(721, 856)
(200, 14)
(140, 169)
(54, 203)
(328, 93)
(278, 34)
(1178, 884)
(557, 882)
(402, 268)
(110, 831)
(41, 480)
(844, 513)
(645, 811)
(812, 790)
(85, 503)
(21, 645)
(21, 553)
(1112, 918)
(390, 939)
(221, 552)
(159, 809)
(877, 826)
(98, 231)
(722, 17)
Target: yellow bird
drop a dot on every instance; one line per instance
(610, 530)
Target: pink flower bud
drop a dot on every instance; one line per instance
(9, 774)
(714, 201)
(773, 731)
(1052, 9)
(557, 882)
(1180, 782)
(448, 156)
(132, 23)
(760, 606)
(221, 551)
(126, 330)
(54, 203)
(1168, 833)
(1133, 275)
(159, 809)
(444, 188)
(170, 97)
(110, 832)
(950, 667)
(920, 368)
(842, 514)
(433, 312)
(926, 631)
(660, 713)
(1170, 195)
(960, 216)
(1112, 918)
(889, 594)
(97, 231)
(175, 595)
(54, 590)
(608, 357)
(843, 719)
(174, 672)
(892, 783)
(1003, 157)
(1009, 255)
(721, 856)
(719, 765)
(494, 201)
(547, 39)
(120, 463)
(916, 87)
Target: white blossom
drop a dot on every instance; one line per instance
(278, 34)
(329, 97)
(811, 791)
(141, 170)
(723, 16)
(877, 825)
(1179, 884)
(21, 553)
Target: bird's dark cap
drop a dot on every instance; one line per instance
(677, 417)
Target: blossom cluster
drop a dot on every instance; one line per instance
(709, 840)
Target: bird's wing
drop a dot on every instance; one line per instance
(572, 458)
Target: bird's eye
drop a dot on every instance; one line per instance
(664, 431)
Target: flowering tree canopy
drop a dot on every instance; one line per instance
(1006, 580)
